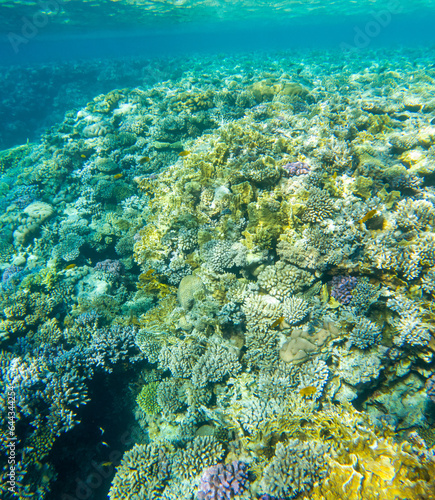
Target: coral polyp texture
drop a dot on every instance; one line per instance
(223, 266)
(223, 481)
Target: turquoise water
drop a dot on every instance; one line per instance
(217, 250)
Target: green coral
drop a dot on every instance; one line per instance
(147, 398)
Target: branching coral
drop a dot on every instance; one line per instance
(294, 468)
(200, 453)
(223, 481)
(142, 473)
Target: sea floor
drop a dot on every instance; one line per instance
(221, 270)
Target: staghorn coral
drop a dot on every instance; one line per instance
(69, 248)
(180, 358)
(262, 171)
(364, 295)
(261, 311)
(171, 397)
(232, 186)
(411, 329)
(150, 344)
(428, 281)
(113, 345)
(414, 214)
(219, 255)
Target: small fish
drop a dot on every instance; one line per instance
(277, 322)
(102, 430)
(70, 266)
(117, 176)
(144, 159)
(368, 215)
(308, 391)
(82, 156)
(106, 464)
(105, 444)
(184, 154)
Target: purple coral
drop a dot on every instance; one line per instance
(342, 287)
(223, 481)
(9, 272)
(112, 267)
(430, 387)
(268, 497)
(296, 168)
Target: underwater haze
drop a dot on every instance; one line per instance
(217, 250)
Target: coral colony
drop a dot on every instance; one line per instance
(242, 265)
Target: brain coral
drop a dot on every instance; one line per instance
(319, 206)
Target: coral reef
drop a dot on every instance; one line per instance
(238, 257)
